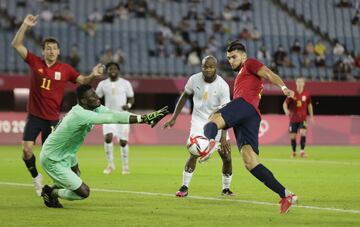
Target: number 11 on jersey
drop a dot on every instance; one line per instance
(45, 84)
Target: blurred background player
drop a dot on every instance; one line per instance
(243, 115)
(119, 96)
(209, 91)
(297, 108)
(48, 80)
(58, 154)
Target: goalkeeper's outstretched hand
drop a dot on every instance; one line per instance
(153, 118)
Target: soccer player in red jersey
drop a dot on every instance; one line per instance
(48, 80)
(297, 108)
(243, 115)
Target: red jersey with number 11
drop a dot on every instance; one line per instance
(248, 85)
(47, 86)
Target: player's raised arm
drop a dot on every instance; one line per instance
(266, 73)
(18, 41)
(97, 71)
(179, 105)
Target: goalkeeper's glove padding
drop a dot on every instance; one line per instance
(153, 118)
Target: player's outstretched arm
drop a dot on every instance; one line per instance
(179, 105)
(266, 73)
(153, 118)
(96, 72)
(18, 41)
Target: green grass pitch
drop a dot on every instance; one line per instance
(327, 183)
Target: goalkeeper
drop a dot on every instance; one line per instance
(58, 154)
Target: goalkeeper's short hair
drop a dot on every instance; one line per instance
(80, 91)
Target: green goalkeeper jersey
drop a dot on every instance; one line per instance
(70, 133)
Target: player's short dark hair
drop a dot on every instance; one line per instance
(112, 63)
(235, 45)
(81, 89)
(49, 40)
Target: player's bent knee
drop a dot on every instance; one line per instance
(218, 120)
(27, 152)
(123, 143)
(250, 159)
(83, 191)
(108, 138)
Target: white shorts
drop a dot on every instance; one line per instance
(196, 131)
(121, 131)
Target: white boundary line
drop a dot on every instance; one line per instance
(307, 161)
(200, 198)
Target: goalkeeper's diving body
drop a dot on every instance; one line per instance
(58, 154)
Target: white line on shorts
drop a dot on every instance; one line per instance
(201, 198)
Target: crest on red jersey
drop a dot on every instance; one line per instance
(40, 70)
(57, 76)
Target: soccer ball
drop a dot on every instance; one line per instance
(197, 145)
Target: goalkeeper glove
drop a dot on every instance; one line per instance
(153, 118)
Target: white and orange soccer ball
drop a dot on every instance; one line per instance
(197, 145)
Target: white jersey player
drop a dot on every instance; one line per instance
(209, 92)
(119, 96)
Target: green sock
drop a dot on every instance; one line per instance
(66, 194)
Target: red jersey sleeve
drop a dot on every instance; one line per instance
(308, 100)
(73, 74)
(253, 65)
(31, 58)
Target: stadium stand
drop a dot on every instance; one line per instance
(168, 37)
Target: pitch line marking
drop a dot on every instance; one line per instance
(201, 198)
(307, 161)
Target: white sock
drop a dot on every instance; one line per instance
(187, 178)
(287, 192)
(125, 157)
(226, 181)
(109, 148)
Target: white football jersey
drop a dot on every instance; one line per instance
(115, 93)
(207, 97)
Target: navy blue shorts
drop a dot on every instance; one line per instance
(35, 125)
(295, 126)
(243, 118)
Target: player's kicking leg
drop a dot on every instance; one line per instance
(109, 152)
(210, 131)
(187, 175)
